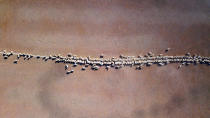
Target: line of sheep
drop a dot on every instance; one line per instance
(139, 62)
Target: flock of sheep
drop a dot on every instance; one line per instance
(138, 62)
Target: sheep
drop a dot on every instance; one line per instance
(187, 54)
(179, 66)
(83, 68)
(15, 61)
(66, 67)
(38, 57)
(149, 64)
(166, 50)
(94, 67)
(161, 64)
(101, 56)
(150, 54)
(138, 67)
(18, 56)
(69, 55)
(68, 72)
(160, 55)
(75, 64)
(117, 67)
(5, 57)
(107, 67)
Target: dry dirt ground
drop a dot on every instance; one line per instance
(35, 89)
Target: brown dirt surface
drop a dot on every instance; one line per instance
(37, 89)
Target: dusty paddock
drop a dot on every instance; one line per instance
(42, 90)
